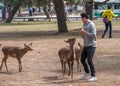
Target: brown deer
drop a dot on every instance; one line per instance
(78, 52)
(15, 52)
(66, 55)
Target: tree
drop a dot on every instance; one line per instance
(44, 4)
(89, 7)
(60, 13)
(38, 3)
(16, 5)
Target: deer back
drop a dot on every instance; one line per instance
(15, 52)
(11, 51)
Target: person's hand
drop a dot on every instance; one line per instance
(82, 31)
(116, 16)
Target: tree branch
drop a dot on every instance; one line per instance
(101, 2)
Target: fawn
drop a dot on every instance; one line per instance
(66, 55)
(78, 52)
(15, 52)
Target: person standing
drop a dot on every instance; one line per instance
(108, 14)
(88, 33)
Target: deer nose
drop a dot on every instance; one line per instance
(31, 49)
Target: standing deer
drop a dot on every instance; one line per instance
(78, 52)
(15, 52)
(66, 55)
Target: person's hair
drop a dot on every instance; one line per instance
(109, 7)
(84, 15)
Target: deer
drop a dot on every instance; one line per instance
(66, 55)
(15, 52)
(78, 52)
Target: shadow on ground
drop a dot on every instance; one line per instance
(9, 73)
(48, 34)
(57, 80)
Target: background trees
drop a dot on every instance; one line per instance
(14, 5)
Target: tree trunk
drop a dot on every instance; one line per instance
(19, 11)
(46, 12)
(89, 9)
(13, 12)
(39, 10)
(60, 13)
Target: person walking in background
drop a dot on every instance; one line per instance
(30, 11)
(88, 33)
(66, 11)
(108, 14)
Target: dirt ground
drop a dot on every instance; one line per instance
(41, 67)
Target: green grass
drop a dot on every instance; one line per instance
(48, 26)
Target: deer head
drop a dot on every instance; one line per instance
(71, 41)
(27, 47)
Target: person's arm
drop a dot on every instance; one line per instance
(81, 32)
(92, 33)
(113, 14)
(104, 14)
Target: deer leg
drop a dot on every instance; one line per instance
(20, 65)
(72, 70)
(2, 64)
(64, 68)
(4, 61)
(6, 64)
(69, 68)
(61, 64)
(78, 67)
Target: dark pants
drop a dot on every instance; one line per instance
(87, 54)
(108, 25)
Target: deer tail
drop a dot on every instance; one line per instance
(80, 45)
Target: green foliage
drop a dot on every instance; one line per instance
(74, 1)
(11, 2)
(41, 2)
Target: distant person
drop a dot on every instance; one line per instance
(66, 11)
(88, 33)
(78, 9)
(30, 11)
(52, 11)
(108, 14)
(33, 9)
(70, 9)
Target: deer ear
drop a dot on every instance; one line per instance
(25, 45)
(79, 44)
(30, 44)
(66, 41)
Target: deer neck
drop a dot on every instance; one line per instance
(24, 51)
(71, 50)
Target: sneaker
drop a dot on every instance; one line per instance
(102, 36)
(84, 76)
(110, 36)
(92, 79)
